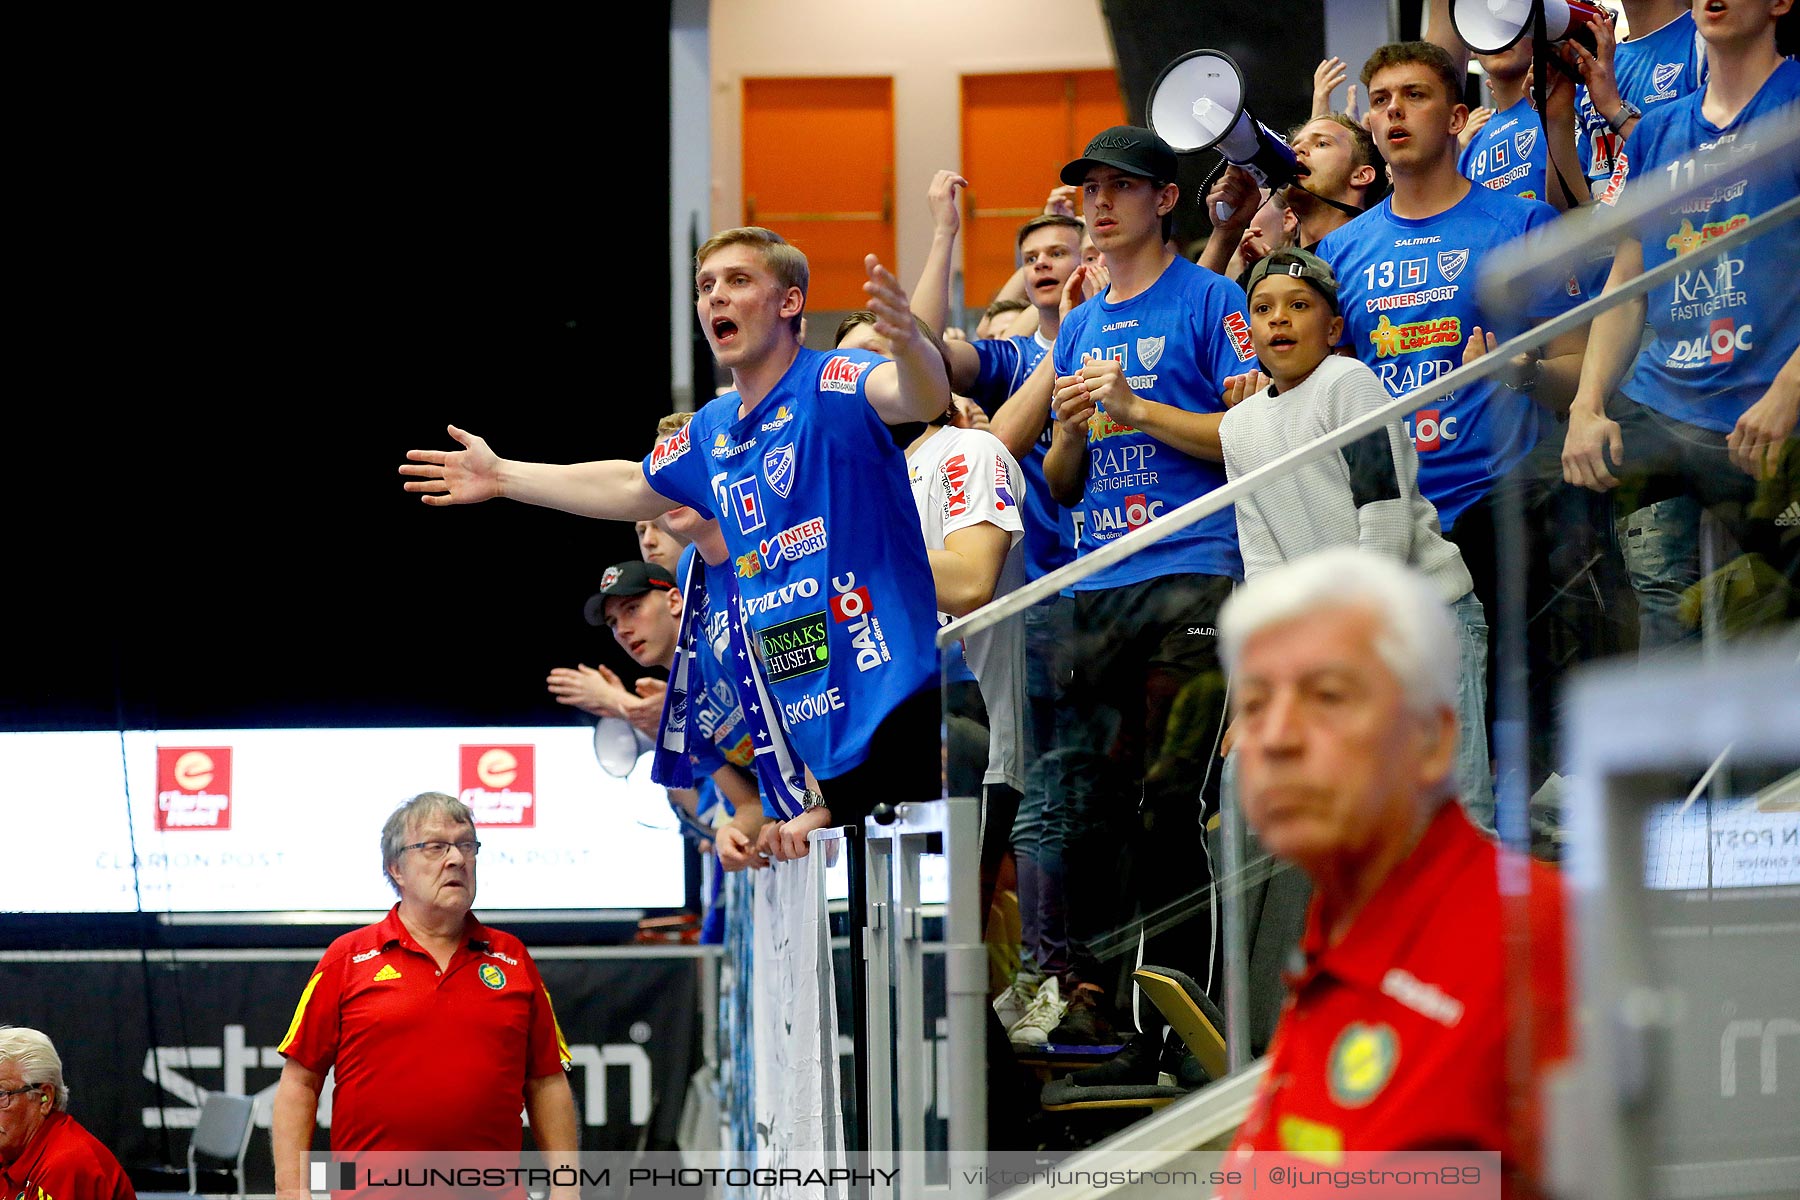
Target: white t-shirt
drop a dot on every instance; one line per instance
(964, 477)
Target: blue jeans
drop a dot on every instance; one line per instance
(1660, 543)
(1474, 775)
(1041, 826)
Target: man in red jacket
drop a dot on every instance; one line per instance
(45, 1154)
(1399, 1024)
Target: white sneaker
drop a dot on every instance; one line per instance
(1010, 1006)
(1044, 1014)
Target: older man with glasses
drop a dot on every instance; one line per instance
(45, 1154)
(387, 1001)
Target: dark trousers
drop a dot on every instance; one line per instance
(1149, 705)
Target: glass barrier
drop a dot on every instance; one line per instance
(1685, 543)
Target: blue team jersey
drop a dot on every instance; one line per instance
(1049, 527)
(833, 583)
(1651, 70)
(1723, 327)
(1178, 341)
(1509, 154)
(714, 710)
(1407, 291)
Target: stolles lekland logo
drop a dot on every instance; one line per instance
(1391, 340)
(499, 784)
(193, 787)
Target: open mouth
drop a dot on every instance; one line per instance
(1280, 342)
(1715, 8)
(724, 329)
(1046, 283)
(1104, 223)
(1397, 135)
(636, 648)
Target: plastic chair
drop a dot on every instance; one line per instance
(222, 1133)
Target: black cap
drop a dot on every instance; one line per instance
(632, 578)
(1300, 264)
(1130, 148)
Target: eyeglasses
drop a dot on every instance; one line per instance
(6, 1096)
(435, 851)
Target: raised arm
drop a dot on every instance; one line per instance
(913, 386)
(614, 489)
(1020, 421)
(1440, 31)
(1241, 197)
(931, 296)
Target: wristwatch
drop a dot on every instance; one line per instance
(810, 800)
(1627, 110)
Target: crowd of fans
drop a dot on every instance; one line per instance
(1118, 376)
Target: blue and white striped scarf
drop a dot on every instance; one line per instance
(779, 771)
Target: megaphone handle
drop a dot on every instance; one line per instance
(1221, 210)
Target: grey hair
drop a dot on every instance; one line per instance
(38, 1062)
(419, 809)
(1417, 635)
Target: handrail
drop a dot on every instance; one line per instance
(1198, 509)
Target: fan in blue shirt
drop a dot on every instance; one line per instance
(811, 495)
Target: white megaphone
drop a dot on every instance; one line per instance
(1491, 26)
(1197, 103)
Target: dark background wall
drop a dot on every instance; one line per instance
(1276, 46)
(288, 254)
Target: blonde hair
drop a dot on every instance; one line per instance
(670, 423)
(785, 262)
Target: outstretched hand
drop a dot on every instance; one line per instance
(1239, 388)
(887, 300)
(466, 476)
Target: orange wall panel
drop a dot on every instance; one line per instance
(819, 170)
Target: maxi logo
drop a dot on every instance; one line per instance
(840, 375)
(787, 593)
(778, 469)
(669, 449)
(794, 543)
(953, 476)
(851, 606)
(1238, 329)
(793, 648)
